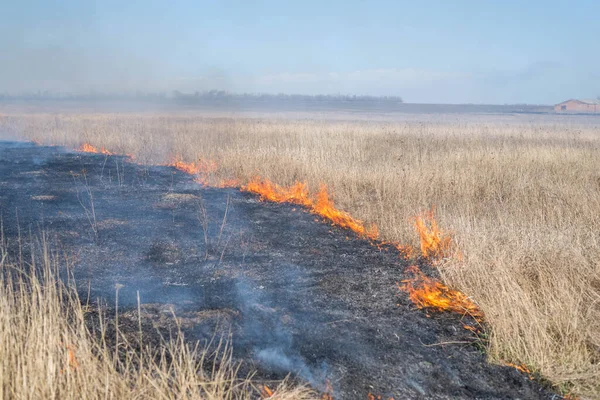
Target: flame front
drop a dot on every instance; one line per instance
(88, 148)
(267, 190)
(405, 251)
(423, 291)
(426, 292)
(322, 204)
(193, 168)
(201, 169)
(324, 207)
(434, 243)
(521, 368)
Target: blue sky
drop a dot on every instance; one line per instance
(445, 52)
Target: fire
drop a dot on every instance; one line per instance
(266, 392)
(328, 394)
(72, 362)
(88, 148)
(473, 329)
(325, 208)
(405, 251)
(72, 358)
(295, 194)
(321, 205)
(201, 169)
(435, 244)
(426, 292)
(521, 368)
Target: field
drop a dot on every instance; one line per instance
(520, 195)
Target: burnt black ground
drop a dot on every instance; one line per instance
(297, 294)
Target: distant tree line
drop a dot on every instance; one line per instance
(202, 97)
(222, 95)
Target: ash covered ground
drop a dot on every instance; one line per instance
(296, 294)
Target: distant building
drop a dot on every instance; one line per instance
(578, 106)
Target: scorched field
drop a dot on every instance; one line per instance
(492, 219)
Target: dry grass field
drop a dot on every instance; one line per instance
(520, 194)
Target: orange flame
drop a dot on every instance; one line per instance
(88, 148)
(72, 359)
(521, 368)
(201, 169)
(473, 329)
(426, 292)
(405, 251)
(328, 394)
(266, 392)
(296, 194)
(435, 244)
(325, 208)
(193, 168)
(322, 205)
(72, 362)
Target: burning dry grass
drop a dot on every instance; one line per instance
(48, 352)
(520, 193)
(320, 204)
(88, 148)
(426, 292)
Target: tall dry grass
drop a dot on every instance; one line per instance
(521, 195)
(47, 350)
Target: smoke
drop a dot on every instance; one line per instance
(271, 340)
(276, 358)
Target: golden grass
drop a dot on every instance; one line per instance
(520, 193)
(48, 352)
